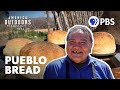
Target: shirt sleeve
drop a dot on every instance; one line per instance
(109, 73)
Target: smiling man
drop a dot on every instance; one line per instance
(78, 63)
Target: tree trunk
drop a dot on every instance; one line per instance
(65, 19)
(56, 24)
(57, 19)
(48, 22)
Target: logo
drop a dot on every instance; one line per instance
(18, 22)
(94, 21)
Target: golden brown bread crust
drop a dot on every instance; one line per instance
(49, 50)
(57, 37)
(14, 46)
(104, 43)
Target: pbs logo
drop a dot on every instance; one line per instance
(95, 21)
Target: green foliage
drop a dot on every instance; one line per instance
(32, 35)
(3, 28)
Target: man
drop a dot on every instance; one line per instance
(78, 63)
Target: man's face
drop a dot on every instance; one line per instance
(78, 47)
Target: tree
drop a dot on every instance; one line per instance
(3, 15)
(67, 19)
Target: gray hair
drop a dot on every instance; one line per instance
(80, 29)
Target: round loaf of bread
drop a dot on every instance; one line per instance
(104, 43)
(49, 50)
(57, 37)
(14, 46)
